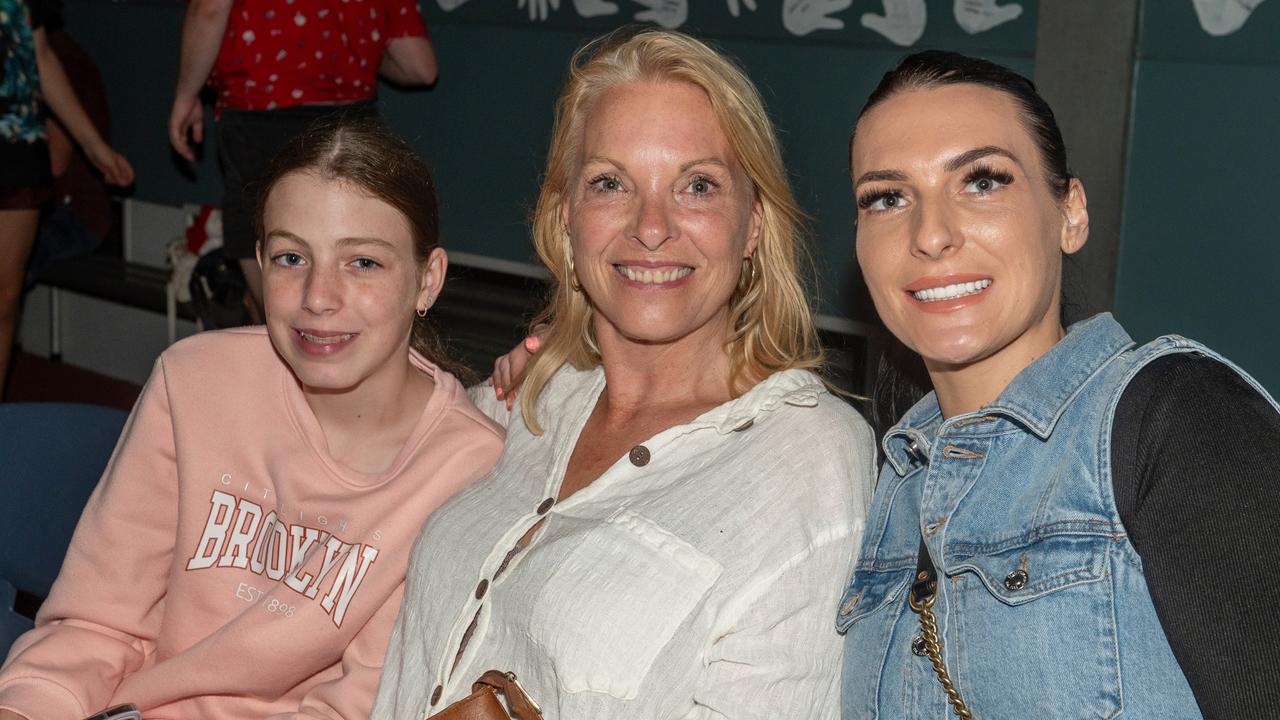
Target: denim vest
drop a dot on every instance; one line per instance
(1042, 604)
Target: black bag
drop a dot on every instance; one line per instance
(218, 291)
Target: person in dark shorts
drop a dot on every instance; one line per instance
(29, 74)
(277, 66)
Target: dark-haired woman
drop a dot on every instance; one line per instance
(245, 553)
(1069, 525)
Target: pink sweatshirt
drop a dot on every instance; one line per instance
(227, 566)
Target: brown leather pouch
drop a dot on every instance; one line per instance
(483, 703)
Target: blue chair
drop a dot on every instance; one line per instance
(51, 457)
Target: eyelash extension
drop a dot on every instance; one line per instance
(983, 170)
(866, 200)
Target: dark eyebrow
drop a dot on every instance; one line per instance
(954, 164)
(881, 176)
(970, 156)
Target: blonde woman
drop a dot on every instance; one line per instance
(680, 495)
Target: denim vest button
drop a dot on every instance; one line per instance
(1015, 581)
(848, 605)
(919, 647)
(639, 456)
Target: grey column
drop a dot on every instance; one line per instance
(1085, 52)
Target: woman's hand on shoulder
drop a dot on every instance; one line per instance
(508, 370)
(11, 715)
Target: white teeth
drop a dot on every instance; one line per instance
(328, 340)
(950, 292)
(653, 277)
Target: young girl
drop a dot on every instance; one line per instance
(245, 553)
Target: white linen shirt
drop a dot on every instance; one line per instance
(695, 580)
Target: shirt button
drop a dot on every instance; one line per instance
(639, 456)
(919, 646)
(546, 505)
(435, 694)
(1015, 581)
(481, 588)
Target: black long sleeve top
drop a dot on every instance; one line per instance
(1196, 471)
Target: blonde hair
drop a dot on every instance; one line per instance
(771, 324)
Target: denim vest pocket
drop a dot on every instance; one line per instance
(868, 592)
(1027, 572)
(867, 616)
(1017, 611)
(615, 601)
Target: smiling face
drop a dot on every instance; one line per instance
(341, 284)
(959, 236)
(660, 215)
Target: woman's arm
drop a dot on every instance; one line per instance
(409, 58)
(104, 612)
(1196, 469)
(202, 31)
(496, 396)
(61, 98)
(409, 61)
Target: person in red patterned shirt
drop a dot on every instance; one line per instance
(276, 67)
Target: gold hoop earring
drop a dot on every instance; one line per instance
(747, 278)
(574, 285)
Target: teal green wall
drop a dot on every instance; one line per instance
(483, 129)
(136, 46)
(1199, 251)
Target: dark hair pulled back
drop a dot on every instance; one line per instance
(936, 68)
(363, 152)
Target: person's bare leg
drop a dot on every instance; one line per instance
(17, 235)
(253, 279)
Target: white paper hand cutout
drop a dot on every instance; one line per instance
(975, 16)
(733, 6)
(1223, 17)
(903, 21)
(538, 9)
(593, 8)
(670, 14)
(801, 17)
(450, 5)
